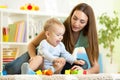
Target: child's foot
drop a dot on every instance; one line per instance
(25, 69)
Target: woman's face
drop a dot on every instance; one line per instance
(78, 20)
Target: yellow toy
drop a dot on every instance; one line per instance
(44, 72)
(67, 71)
(3, 6)
(39, 72)
(30, 7)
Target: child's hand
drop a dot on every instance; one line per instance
(80, 62)
(59, 61)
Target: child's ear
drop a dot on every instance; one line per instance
(47, 33)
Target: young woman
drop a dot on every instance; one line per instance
(80, 32)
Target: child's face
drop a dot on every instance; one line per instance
(55, 35)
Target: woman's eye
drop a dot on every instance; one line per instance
(82, 21)
(75, 18)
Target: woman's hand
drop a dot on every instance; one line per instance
(80, 62)
(76, 67)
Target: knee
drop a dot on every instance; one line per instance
(39, 58)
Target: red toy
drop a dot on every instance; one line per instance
(30, 7)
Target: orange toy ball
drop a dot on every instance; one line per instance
(47, 72)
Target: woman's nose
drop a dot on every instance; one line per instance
(76, 23)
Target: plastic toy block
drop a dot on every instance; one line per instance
(4, 72)
(84, 72)
(47, 72)
(74, 71)
(67, 71)
(39, 72)
(80, 71)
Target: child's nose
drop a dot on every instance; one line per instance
(61, 37)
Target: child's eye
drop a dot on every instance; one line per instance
(58, 35)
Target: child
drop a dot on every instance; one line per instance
(52, 49)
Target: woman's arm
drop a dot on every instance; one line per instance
(34, 43)
(94, 69)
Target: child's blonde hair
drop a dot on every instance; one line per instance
(50, 22)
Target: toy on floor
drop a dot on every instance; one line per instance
(44, 72)
(30, 7)
(39, 72)
(4, 72)
(47, 72)
(75, 72)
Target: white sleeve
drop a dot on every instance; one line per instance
(43, 51)
(64, 53)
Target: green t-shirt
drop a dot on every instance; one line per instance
(82, 41)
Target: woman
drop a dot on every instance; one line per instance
(80, 32)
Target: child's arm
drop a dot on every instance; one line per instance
(43, 50)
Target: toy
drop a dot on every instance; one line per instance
(30, 7)
(3, 6)
(39, 72)
(75, 72)
(47, 72)
(67, 71)
(3, 72)
(44, 72)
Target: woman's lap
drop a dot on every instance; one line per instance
(14, 67)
